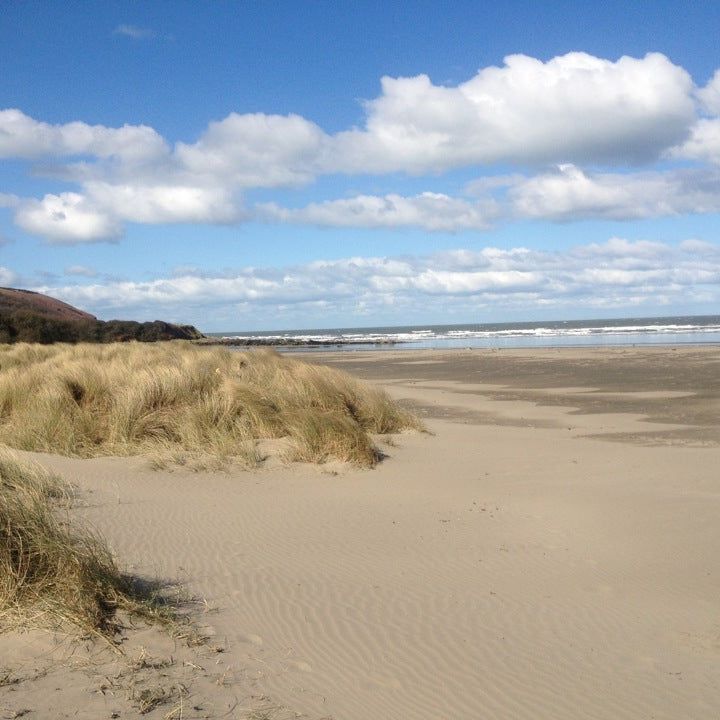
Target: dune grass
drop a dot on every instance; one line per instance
(187, 403)
(53, 573)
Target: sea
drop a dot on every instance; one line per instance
(690, 330)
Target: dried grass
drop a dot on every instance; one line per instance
(52, 573)
(176, 400)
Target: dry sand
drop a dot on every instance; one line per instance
(550, 551)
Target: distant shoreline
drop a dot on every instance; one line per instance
(675, 330)
(409, 347)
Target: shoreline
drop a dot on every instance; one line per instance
(588, 332)
(293, 345)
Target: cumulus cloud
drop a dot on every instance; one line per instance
(24, 137)
(429, 211)
(620, 249)
(699, 247)
(255, 150)
(139, 179)
(66, 219)
(572, 108)
(565, 194)
(612, 274)
(99, 213)
(575, 107)
(569, 193)
(703, 143)
(163, 203)
(709, 95)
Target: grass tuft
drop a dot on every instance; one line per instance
(52, 573)
(176, 400)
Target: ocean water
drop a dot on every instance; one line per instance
(606, 332)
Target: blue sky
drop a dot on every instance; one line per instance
(290, 165)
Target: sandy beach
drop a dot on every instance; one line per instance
(547, 551)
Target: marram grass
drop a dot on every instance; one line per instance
(53, 573)
(186, 403)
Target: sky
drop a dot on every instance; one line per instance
(287, 165)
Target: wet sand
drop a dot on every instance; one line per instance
(665, 385)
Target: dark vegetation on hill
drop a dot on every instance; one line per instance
(27, 316)
(15, 300)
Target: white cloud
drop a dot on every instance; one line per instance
(429, 211)
(709, 95)
(618, 273)
(163, 203)
(134, 31)
(454, 282)
(254, 150)
(699, 247)
(66, 219)
(703, 143)
(565, 194)
(99, 214)
(619, 249)
(569, 193)
(572, 108)
(138, 178)
(23, 137)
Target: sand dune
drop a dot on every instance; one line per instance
(516, 563)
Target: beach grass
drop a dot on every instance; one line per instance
(54, 572)
(176, 402)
